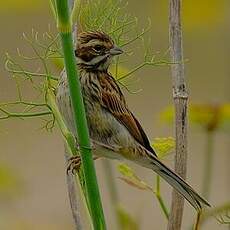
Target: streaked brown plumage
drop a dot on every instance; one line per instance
(114, 131)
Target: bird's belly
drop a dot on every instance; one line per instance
(105, 128)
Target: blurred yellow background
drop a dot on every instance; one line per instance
(33, 192)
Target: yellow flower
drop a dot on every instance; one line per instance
(208, 116)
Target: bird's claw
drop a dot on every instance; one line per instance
(74, 164)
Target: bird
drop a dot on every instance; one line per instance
(114, 131)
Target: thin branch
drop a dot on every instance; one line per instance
(22, 115)
(180, 101)
(42, 59)
(159, 198)
(148, 63)
(138, 36)
(72, 191)
(23, 72)
(22, 103)
(125, 24)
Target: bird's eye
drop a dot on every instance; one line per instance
(97, 48)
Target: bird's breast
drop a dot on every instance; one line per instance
(103, 126)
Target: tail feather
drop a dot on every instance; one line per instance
(179, 184)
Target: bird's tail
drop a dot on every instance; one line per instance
(178, 183)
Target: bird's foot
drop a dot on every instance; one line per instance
(74, 164)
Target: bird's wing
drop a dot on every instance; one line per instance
(113, 101)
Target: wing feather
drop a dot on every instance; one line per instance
(113, 100)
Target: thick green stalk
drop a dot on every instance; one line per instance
(93, 196)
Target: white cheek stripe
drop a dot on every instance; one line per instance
(94, 61)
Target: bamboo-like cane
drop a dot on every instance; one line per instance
(180, 102)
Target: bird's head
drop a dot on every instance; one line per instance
(95, 50)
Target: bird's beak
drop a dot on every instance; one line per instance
(116, 51)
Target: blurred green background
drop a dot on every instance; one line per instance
(33, 192)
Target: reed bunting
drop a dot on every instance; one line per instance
(114, 130)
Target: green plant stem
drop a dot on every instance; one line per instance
(208, 164)
(70, 146)
(23, 115)
(70, 141)
(159, 198)
(53, 8)
(93, 196)
(154, 63)
(76, 11)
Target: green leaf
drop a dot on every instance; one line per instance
(131, 178)
(163, 146)
(125, 170)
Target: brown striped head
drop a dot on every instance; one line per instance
(95, 50)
